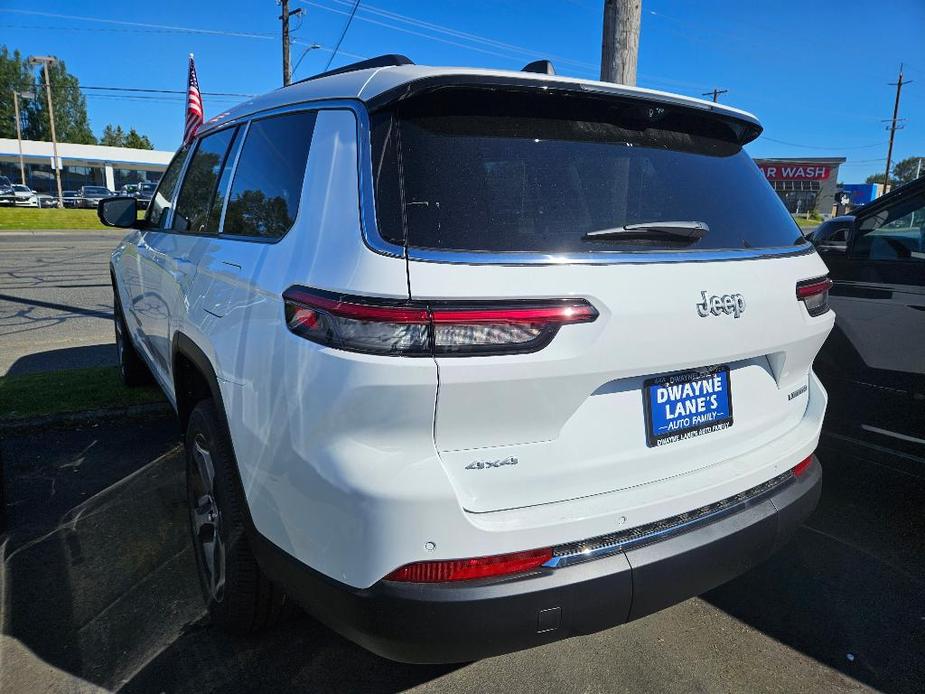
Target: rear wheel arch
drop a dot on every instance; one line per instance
(194, 379)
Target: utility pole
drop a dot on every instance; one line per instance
(620, 41)
(715, 93)
(22, 168)
(893, 126)
(45, 61)
(284, 18)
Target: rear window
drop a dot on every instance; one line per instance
(478, 170)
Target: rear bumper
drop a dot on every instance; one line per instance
(436, 623)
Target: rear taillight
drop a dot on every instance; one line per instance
(412, 328)
(802, 466)
(814, 294)
(467, 569)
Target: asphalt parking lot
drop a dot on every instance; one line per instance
(99, 589)
(55, 300)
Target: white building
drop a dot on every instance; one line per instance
(81, 165)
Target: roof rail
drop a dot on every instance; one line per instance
(544, 67)
(388, 60)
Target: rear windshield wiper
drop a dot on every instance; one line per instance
(676, 231)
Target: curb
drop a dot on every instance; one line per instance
(131, 412)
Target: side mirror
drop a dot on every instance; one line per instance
(120, 211)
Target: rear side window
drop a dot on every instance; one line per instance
(160, 203)
(267, 185)
(199, 184)
(468, 169)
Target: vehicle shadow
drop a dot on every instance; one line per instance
(849, 589)
(65, 358)
(99, 581)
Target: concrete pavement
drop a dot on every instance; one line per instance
(100, 591)
(55, 300)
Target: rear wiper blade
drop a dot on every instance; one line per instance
(684, 231)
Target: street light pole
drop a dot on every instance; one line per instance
(45, 61)
(22, 168)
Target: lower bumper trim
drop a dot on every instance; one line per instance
(469, 620)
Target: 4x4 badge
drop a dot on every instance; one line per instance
(730, 304)
(482, 464)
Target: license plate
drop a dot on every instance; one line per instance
(686, 405)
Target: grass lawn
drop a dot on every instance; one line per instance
(49, 218)
(69, 390)
(804, 223)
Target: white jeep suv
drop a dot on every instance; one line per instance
(469, 361)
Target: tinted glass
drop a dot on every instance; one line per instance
(510, 171)
(199, 184)
(267, 185)
(218, 200)
(160, 202)
(894, 233)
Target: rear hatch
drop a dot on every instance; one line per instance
(700, 350)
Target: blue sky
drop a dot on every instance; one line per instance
(815, 73)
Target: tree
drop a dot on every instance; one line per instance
(903, 172)
(136, 141)
(878, 178)
(71, 122)
(14, 76)
(113, 137)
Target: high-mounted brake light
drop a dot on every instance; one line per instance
(467, 569)
(814, 294)
(414, 328)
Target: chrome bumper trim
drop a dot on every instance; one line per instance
(612, 543)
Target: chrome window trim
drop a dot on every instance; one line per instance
(245, 128)
(566, 555)
(176, 190)
(602, 257)
(373, 240)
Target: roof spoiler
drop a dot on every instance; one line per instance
(388, 60)
(544, 67)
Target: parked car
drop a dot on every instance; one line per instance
(875, 356)
(144, 193)
(25, 196)
(7, 194)
(129, 189)
(69, 198)
(484, 402)
(90, 196)
(47, 200)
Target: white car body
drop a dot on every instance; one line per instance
(357, 464)
(25, 196)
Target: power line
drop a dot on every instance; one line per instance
(120, 22)
(475, 38)
(353, 12)
(796, 144)
(715, 93)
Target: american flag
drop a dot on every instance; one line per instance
(193, 104)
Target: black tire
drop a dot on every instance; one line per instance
(132, 368)
(238, 596)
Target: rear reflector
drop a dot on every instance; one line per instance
(412, 328)
(814, 294)
(467, 569)
(802, 466)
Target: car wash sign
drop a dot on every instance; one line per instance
(794, 171)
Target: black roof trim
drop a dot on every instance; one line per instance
(748, 129)
(387, 60)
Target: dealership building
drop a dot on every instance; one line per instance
(81, 165)
(807, 184)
